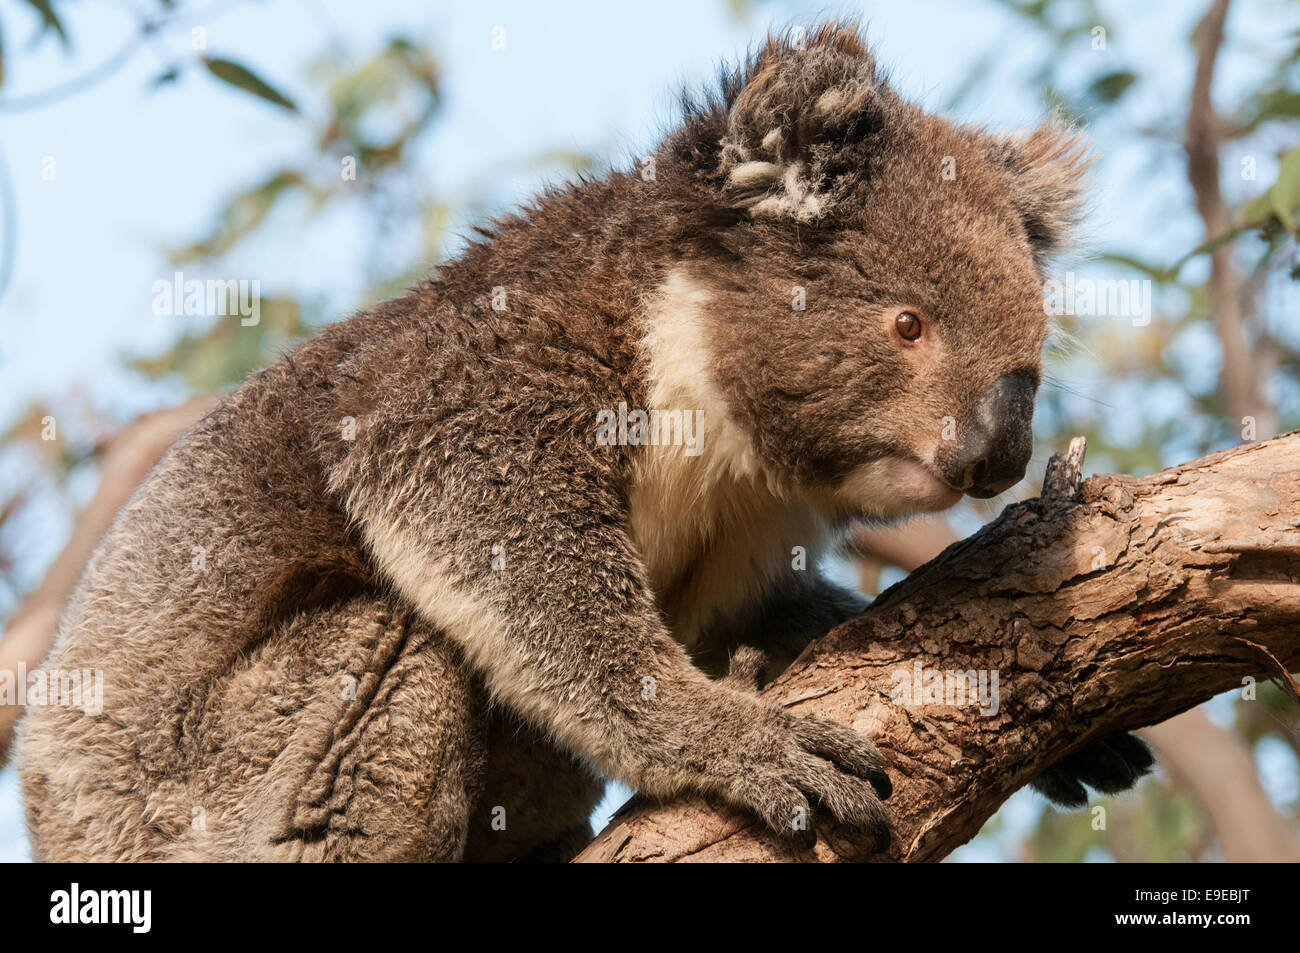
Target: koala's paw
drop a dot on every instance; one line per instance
(783, 766)
(1109, 765)
(747, 671)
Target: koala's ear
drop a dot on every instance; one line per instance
(803, 105)
(1048, 174)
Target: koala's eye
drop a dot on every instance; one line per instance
(908, 326)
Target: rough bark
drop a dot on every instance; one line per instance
(1207, 761)
(1100, 608)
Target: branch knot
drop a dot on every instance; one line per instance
(1065, 473)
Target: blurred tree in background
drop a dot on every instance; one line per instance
(1154, 394)
(1217, 364)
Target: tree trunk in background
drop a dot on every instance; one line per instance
(906, 546)
(1242, 371)
(1218, 771)
(1100, 609)
(128, 456)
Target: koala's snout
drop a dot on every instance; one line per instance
(998, 441)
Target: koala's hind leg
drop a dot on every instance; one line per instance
(536, 800)
(353, 734)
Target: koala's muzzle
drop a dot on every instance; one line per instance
(998, 442)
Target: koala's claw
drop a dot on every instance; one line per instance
(796, 762)
(1109, 765)
(814, 762)
(847, 749)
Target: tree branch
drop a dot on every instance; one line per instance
(1101, 609)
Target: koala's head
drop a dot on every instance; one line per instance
(875, 318)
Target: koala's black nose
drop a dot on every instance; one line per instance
(998, 440)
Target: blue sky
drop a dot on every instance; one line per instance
(136, 172)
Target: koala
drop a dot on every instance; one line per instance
(417, 589)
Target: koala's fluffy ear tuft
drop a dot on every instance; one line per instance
(1048, 172)
(799, 107)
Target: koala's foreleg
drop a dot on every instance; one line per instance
(553, 609)
(806, 606)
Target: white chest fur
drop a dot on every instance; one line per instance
(717, 527)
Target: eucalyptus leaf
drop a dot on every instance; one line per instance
(243, 78)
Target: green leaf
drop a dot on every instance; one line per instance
(1157, 273)
(223, 351)
(1110, 87)
(243, 213)
(1286, 190)
(1281, 201)
(1275, 104)
(1257, 211)
(49, 19)
(231, 72)
(165, 78)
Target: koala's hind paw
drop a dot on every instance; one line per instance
(1110, 765)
